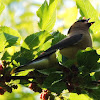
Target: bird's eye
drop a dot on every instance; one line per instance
(81, 20)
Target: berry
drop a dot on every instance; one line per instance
(1, 69)
(33, 86)
(2, 91)
(45, 95)
(0, 65)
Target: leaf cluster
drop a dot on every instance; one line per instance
(80, 75)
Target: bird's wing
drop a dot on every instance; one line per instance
(69, 41)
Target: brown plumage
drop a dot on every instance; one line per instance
(78, 27)
(78, 39)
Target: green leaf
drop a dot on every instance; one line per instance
(2, 7)
(74, 96)
(88, 59)
(10, 31)
(71, 16)
(87, 83)
(67, 62)
(36, 39)
(52, 78)
(97, 75)
(64, 61)
(88, 11)
(53, 82)
(6, 56)
(51, 1)
(57, 37)
(26, 15)
(95, 94)
(46, 45)
(23, 82)
(58, 87)
(2, 42)
(51, 40)
(31, 47)
(8, 37)
(7, 40)
(47, 15)
(23, 56)
(58, 56)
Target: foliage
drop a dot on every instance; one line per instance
(47, 22)
(31, 39)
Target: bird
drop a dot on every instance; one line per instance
(78, 38)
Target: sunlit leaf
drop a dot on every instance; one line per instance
(1, 7)
(47, 15)
(57, 37)
(46, 45)
(36, 39)
(27, 16)
(88, 11)
(10, 31)
(9, 53)
(26, 28)
(7, 40)
(74, 96)
(71, 16)
(31, 47)
(8, 37)
(51, 1)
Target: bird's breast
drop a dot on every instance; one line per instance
(70, 52)
(85, 42)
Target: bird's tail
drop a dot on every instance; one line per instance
(39, 64)
(35, 64)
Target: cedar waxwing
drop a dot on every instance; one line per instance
(78, 39)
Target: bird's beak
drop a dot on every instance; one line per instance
(92, 23)
(87, 20)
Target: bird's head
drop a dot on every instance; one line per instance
(83, 24)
